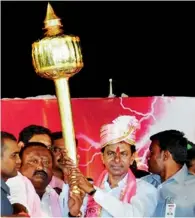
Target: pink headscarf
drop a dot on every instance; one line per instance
(123, 128)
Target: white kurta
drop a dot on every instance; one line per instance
(22, 191)
(143, 204)
(64, 201)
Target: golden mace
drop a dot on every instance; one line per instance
(58, 57)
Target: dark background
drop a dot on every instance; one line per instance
(147, 48)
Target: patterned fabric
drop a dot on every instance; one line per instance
(122, 128)
(129, 190)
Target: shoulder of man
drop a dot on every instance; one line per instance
(4, 187)
(145, 186)
(190, 180)
(153, 179)
(15, 180)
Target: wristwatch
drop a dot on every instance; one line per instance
(70, 215)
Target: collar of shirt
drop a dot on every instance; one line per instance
(154, 177)
(5, 187)
(49, 190)
(178, 177)
(120, 184)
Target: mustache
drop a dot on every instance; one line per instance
(116, 165)
(40, 172)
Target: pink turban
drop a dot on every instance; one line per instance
(123, 128)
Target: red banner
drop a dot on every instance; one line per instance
(154, 114)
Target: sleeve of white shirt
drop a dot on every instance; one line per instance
(143, 204)
(64, 201)
(17, 191)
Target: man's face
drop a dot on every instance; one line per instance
(37, 166)
(42, 138)
(57, 150)
(155, 158)
(117, 158)
(10, 160)
(192, 167)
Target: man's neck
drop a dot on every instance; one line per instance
(114, 180)
(58, 173)
(170, 171)
(40, 192)
(65, 179)
(4, 178)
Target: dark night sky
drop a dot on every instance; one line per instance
(146, 47)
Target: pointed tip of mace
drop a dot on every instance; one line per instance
(52, 21)
(50, 15)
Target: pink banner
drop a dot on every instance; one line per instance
(154, 114)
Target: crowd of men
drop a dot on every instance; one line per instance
(38, 177)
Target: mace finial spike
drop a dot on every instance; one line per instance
(52, 22)
(50, 15)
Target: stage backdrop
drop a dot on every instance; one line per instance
(154, 114)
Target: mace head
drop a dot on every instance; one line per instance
(57, 55)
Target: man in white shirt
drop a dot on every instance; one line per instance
(36, 133)
(117, 193)
(36, 166)
(37, 163)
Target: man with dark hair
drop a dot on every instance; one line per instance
(117, 193)
(35, 133)
(58, 149)
(137, 173)
(170, 142)
(58, 139)
(31, 133)
(10, 163)
(168, 154)
(60, 170)
(37, 164)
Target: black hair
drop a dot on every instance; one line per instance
(4, 136)
(173, 141)
(7, 135)
(58, 135)
(35, 144)
(140, 173)
(28, 132)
